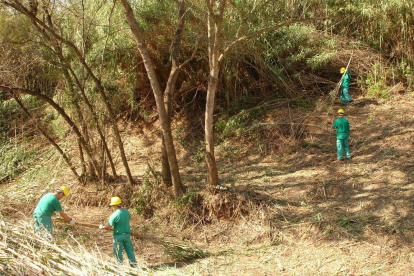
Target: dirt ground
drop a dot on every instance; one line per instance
(311, 215)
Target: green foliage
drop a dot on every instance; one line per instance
(234, 125)
(184, 253)
(239, 124)
(305, 102)
(180, 136)
(406, 71)
(16, 157)
(8, 112)
(11, 115)
(320, 59)
(376, 83)
(187, 199)
(379, 89)
(386, 26)
(199, 155)
(344, 221)
(142, 198)
(392, 153)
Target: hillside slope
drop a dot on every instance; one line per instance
(324, 217)
(307, 215)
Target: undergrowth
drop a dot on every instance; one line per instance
(16, 157)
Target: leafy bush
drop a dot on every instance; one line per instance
(376, 82)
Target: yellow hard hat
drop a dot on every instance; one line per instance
(115, 201)
(341, 111)
(343, 70)
(65, 190)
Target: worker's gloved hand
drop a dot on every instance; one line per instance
(101, 226)
(72, 222)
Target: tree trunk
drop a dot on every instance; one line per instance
(170, 87)
(163, 115)
(165, 166)
(82, 158)
(214, 45)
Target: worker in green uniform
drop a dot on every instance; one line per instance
(345, 87)
(47, 205)
(119, 221)
(342, 134)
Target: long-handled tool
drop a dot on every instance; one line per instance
(178, 251)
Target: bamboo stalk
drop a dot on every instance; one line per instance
(25, 257)
(54, 247)
(35, 266)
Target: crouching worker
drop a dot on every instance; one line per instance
(119, 221)
(47, 205)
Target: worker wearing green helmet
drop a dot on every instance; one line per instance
(342, 134)
(345, 87)
(119, 221)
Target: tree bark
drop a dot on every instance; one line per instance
(163, 115)
(214, 44)
(170, 87)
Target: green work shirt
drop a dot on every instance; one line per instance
(346, 80)
(342, 128)
(47, 205)
(120, 221)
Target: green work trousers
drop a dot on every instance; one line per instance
(43, 224)
(121, 242)
(341, 146)
(345, 95)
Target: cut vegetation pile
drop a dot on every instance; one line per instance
(24, 253)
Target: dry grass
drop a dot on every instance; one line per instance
(25, 253)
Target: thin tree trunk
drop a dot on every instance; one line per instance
(214, 44)
(170, 87)
(163, 116)
(165, 165)
(95, 119)
(82, 158)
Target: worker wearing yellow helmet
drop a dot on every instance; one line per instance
(119, 221)
(344, 96)
(342, 134)
(47, 205)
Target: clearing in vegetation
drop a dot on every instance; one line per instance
(282, 214)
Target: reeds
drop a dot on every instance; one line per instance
(22, 252)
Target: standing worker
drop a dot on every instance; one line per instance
(47, 205)
(342, 134)
(119, 220)
(345, 87)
